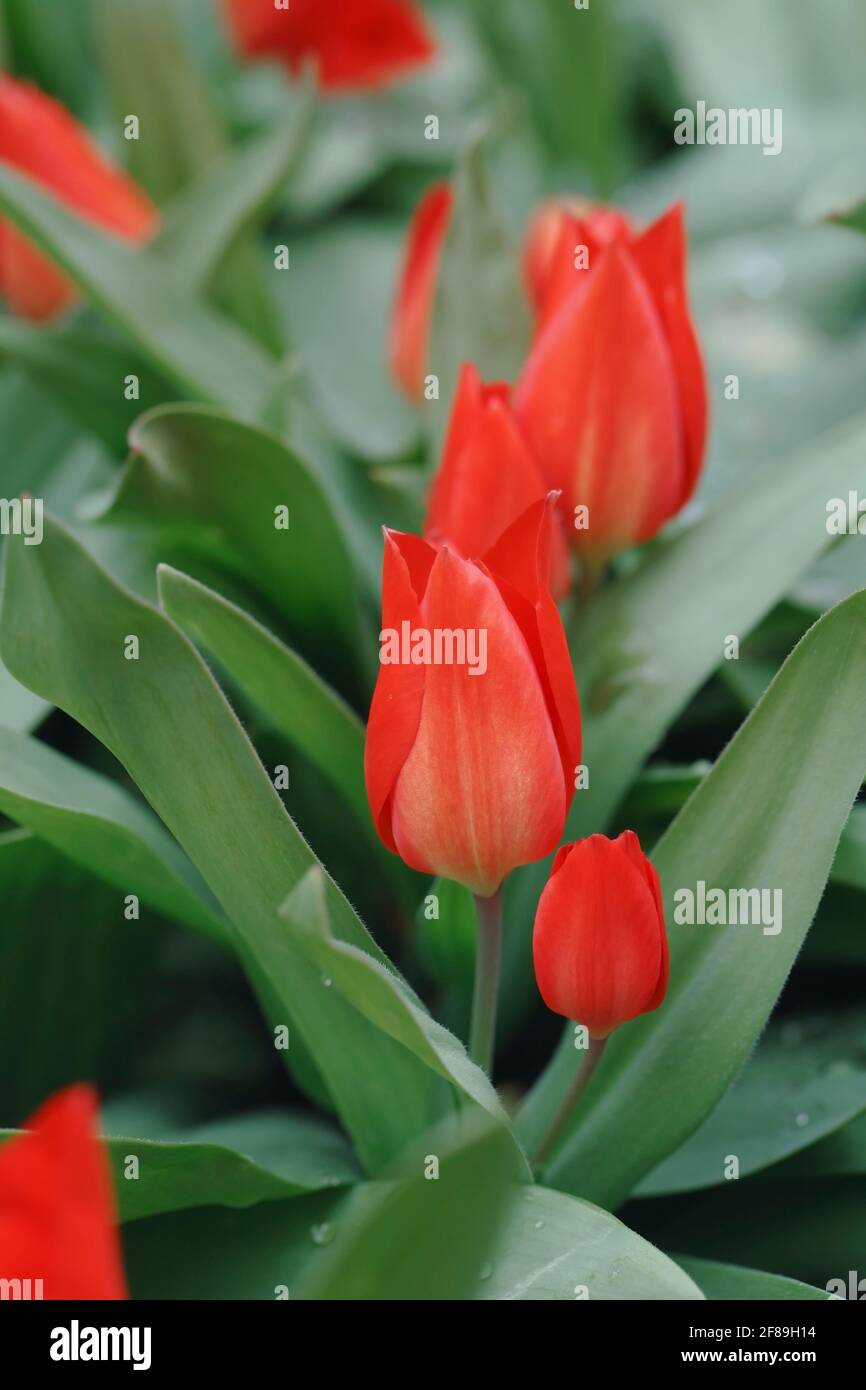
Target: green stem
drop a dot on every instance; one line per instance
(582, 1077)
(488, 952)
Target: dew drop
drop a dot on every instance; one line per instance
(323, 1234)
(538, 1225)
(326, 981)
(801, 1120)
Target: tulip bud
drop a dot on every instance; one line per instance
(413, 306)
(599, 943)
(474, 729)
(487, 477)
(356, 43)
(612, 397)
(57, 1219)
(40, 139)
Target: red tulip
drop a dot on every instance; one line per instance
(487, 477)
(57, 1220)
(559, 233)
(470, 765)
(356, 43)
(40, 139)
(612, 398)
(599, 944)
(410, 324)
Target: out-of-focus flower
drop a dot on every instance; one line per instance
(40, 139)
(612, 397)
(474, 730)
(599, 944)
(356, 43)
(564, 238)
(410, 323)
(57, 1222)
(487, 477)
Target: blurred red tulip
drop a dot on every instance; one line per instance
(560, 232)
(410, 324)
(599, 944)
(57, 1221)
(612, 398)
(40, 139)
(356, 43)
(470, 763)
(487, 477)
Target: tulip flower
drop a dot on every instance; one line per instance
(356, 43)
(413, 306)
(599, 944)
(57, 1222)
(564, 239)
(612, 398)
(487, 477)
(41, 140)
(474, 729)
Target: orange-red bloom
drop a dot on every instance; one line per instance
(356, 43)
(40, 139)
(599, 944)
(470, 764)
(612, 398)
(413, 305)
(57, 1220)
(487, 477)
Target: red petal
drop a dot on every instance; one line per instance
(487, 477)
(395, 711)
(520, 563)
(596, 944)
(357, 43)
(481, 790)
(598, 404)
(57, 1218)
(410, 324)
(660, 255)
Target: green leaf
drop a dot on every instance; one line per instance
(843, 1152)
(199, 350)
(853, 217)
(479, 313)
(256, 1157)
(652, 639)
(67, 956)
(732, 1283)
(150, 72)
(416, 1238)
(64, 625)
(556, 1248)
(379, 995)
(225, 481)
(806, 1079)
(291, 696)
(663, 1073)
(99, 825)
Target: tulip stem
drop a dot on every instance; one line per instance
(581, 1079)
(488, 952)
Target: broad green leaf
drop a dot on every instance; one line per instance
(479, 313)
(843, 1152)
(84, 367)
(291, 696)
(67, 956)
(213, 1252)
(556, 1248)
(665, 1072)
(99, 825)
(237, 1162)
(150, 73)
(339, 294)
(198, 349)
(379, 995)
(64, 629)
(806, 1079)
(732, 1283)
(416, 1238)
(812, 1231)
(653, 637)
(227, 482)
(849, 866)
